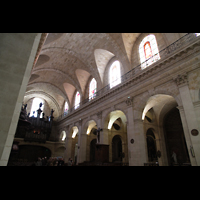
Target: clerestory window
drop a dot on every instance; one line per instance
(66, 108)
(35, 107)
(92, 89)
(115, 74)
(77, 100)
(148, 51)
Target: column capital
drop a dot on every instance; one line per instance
(129, 101)
(181, 80)
(80, 122)
(99, 114)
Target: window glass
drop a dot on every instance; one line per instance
(115, 74)
(148, 51)
(92, 89)
(66, 108)
(35, 106)
(77, 100)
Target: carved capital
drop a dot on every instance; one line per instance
(181, 79)
(67, 128)
(80, 122)
(99, 114)
(129, 101)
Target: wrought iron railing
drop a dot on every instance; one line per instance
(165, 53)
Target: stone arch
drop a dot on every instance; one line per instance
(88, 125)
(111, 117)
(162, 105)
(106, 113)
(108, 120)
(142, 100)
(52, 103)
(118, 114)
(73, 131)
(62, 136)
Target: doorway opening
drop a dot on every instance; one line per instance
(177, 151)
(116, 149)
(92, 150)
(151, 146)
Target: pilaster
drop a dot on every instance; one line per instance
(190, 116)
(80, 145)
(68, 148)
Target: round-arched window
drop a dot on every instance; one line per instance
(35, 106)
(92, 89)
(115, 74)
(148, 51)
(77, 100)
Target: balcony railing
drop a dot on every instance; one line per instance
(165, 53)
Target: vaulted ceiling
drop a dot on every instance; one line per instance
(67, 61)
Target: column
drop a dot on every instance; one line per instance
(104, 132)
(141, 147)
(192, 129)
(82, 142)
(187, 136)
(79, 140)
(68, 145)
(135, 134)
(160, 144)
(18, 51)
(82, 148)
(130, 136)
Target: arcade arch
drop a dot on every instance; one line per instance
(62, 136)
(74, 142)
(115, 134)
(161, 109)
(90, 128)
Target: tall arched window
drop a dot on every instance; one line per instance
(115, 74)
(92, 89)
(66, 108)
(148, 51)
(35, 106)
(77, 100)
